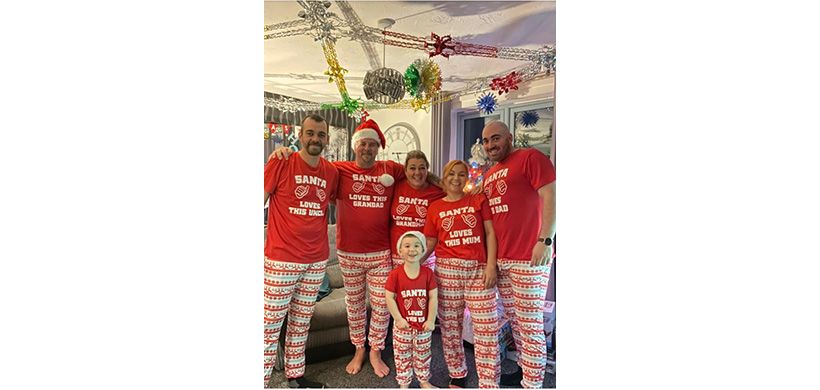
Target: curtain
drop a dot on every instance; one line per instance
(441, 136)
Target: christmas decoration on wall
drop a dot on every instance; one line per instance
(506, 83)
(479, 164)
(529, 118)
(290, 135)
(384, 85)
(268, 128)
(486, 103)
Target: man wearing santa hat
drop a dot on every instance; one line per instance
(365, 193)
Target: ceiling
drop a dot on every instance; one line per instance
(295, 65)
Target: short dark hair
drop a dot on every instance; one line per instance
(314, 117)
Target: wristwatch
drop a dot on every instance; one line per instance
(546, 240)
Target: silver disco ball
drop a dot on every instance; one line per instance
(384, 85)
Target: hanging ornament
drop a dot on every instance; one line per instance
(423, 80)
(268, 128)
(384, 85)
(441, 46)
(486, 103)
(412, 80)
(528, 118)
(506, 83)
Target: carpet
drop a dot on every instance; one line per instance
(332, 372)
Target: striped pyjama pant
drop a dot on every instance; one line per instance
(460, 283)
(360, 270)
(523, 291)
(290, 289)
(411, 352)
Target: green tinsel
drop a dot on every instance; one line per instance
(350, 105)
(411, 80)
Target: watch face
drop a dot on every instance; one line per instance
(548, 241)
(401, 138)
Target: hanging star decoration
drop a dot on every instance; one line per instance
(486, 103)
(506, 83)
(439, 45)
(529, 118)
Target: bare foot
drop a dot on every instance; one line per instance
(427, 385)
(376, 361)
(355, 364)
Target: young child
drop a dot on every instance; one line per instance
(412, 298)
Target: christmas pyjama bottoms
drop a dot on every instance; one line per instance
(523, 290)
(358, 270)
(290, 289)
(411, 352)
(461, 282)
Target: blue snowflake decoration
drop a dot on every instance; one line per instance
(529, 118)
(486, 103)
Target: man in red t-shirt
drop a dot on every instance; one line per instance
(521, 193)
(296, 246)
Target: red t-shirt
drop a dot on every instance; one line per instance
(512, 189)
(363, 211)
(459, 227)
(409, 209)
(297, 214)
(411, 294)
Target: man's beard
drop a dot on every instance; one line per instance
(310, 149)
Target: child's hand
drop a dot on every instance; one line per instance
(401, 323)
(429, 325)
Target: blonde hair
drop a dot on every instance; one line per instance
(452, 164)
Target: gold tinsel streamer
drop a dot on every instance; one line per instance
(335, 71)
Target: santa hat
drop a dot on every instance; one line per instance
(368, 130)
(416, 234)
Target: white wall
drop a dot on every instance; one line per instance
(420, 120)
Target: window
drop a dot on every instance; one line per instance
(530, 124)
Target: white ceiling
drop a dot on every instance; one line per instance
(295, 65)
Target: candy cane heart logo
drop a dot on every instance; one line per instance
(378, 188)
(447, 223)
(301, 191)
(407, 303)
(422, 302)
(421, 210)
(321, 194)
(501, 186)
(358, 186)
(400, 209)
(469, 219)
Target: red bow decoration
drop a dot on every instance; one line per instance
(440, 44)
(506, 83)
